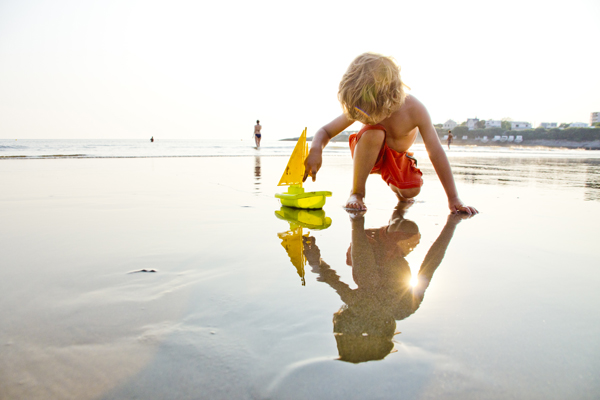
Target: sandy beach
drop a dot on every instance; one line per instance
(162, 278)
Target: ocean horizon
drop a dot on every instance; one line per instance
(134, 148)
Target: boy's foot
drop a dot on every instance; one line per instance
(402, 206)
(355, 203)
(401, 199)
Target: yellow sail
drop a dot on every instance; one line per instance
(294, 172)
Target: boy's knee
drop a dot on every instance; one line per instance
(409, 193)
(372, 137)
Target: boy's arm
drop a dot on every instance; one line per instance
(326, 273)
(436, 253)
(312, 164)
(440, 162)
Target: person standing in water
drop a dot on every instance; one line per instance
(450, 137)
(257, 134)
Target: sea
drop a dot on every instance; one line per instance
(124, 148)
(131, 148)
(131, 269)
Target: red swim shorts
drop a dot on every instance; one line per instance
(398, 169)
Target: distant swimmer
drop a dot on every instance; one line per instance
(450, 137)
(257, 134)
(152, 139)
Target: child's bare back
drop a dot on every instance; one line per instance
(402, 125)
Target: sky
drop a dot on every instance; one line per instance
(75, 69)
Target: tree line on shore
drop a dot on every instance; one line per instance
(569, 134)
(580, 135)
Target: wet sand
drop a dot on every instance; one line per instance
(505, 305)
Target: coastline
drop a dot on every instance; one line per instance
(550, 143)
(554, 144)
(567, 144)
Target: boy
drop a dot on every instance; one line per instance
(372, 92)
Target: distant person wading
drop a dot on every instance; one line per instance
(257, 134)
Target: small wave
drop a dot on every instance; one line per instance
(62, 155)
(83, 156)
(47, 156)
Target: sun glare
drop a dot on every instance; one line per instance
(414, 281)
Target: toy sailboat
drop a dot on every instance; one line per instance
(292, 176)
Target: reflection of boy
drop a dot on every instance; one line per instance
(372, 92)
(365, 325)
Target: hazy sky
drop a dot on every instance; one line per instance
(198, 69)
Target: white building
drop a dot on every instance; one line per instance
(519, 126)
(449, 125)
(472, 123)
(578, 125)
(492, 123)
(549, 125)
(594, 118)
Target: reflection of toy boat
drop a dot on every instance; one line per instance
(294, 172)
(311, 219)
(293, 243)
(293, 240)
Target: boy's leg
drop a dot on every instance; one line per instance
(365, 155)
(361, 252)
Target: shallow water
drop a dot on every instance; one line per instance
(504, 306)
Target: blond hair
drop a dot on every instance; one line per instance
(371, 89)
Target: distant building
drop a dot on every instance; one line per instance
(549, 125)
(492, 123)
(578, 125)
(472, 123)
(519, 126)
(449, 125)
(594, 118)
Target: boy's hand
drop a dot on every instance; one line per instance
(312, 164)
(456, 218)
(457, 206)
(311, 251)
